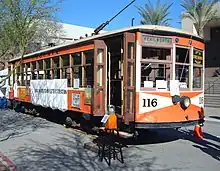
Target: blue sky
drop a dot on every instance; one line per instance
(91, 13)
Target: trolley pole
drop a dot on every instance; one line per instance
(132, 22)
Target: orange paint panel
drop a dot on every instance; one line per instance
(84, 108)
(22, 95)
(170, 114)
(185, 42)
(137, 103)
(138, 37)
(59, 52)
(99, 99)
(167, 94)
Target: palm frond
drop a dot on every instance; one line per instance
(201, 12)
(155, 14)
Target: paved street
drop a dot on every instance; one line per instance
(36, 144)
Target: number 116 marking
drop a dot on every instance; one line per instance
(149, 102)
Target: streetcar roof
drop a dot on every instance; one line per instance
(142, 28)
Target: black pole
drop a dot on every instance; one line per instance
(132, 22)
(102, 26)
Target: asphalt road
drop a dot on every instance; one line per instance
(37, 144)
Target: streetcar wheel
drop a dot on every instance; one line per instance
(68, 122)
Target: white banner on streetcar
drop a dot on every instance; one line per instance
(49, 93)
(4, 87)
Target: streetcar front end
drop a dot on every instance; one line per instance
(169, 81)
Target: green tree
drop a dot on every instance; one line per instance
(201, 12)
(23, 22)
(155, 14)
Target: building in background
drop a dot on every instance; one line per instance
(74, 32)
(212, 44)
(66, 34)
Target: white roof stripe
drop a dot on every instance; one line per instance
(147, 27)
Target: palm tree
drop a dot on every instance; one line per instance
(200, 12)
(155, 15)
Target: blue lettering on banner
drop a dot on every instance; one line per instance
(50, 91)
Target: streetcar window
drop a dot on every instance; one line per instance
(77, 59)
(182, 74)
(48, 63)
(197, 77)
(131, 50)
(77, 66)
(48, 68)
(182, 55)
(155, 65)
(197, 68)
(182, 66)
(66, 61)
(33, 70)
(27, 74)
(13, 76)
(56, 68)
(9, 80)
(40, 70)
(89, 69)
(153, 72)
(156, 53)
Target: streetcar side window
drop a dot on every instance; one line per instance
(13, 76)
(9, 80)
(40, 69)
(56, 65)
(65, 68)
(18, 75)
(27, 74)
(33, 70)
(88, 68)
(47, 68)
(77, 67)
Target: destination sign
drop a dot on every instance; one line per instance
(197, 57)
(156, 40)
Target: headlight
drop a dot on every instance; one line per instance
(176, 99)
(185, 102)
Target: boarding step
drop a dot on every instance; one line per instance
(122, 134)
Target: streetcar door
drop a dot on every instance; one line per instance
(129, 76)
(99, 93)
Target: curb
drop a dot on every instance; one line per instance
(7, 162)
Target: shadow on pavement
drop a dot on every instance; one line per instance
(15, 124)
(154, 137)
(67, 153)
(215, 117)
(208, 147)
